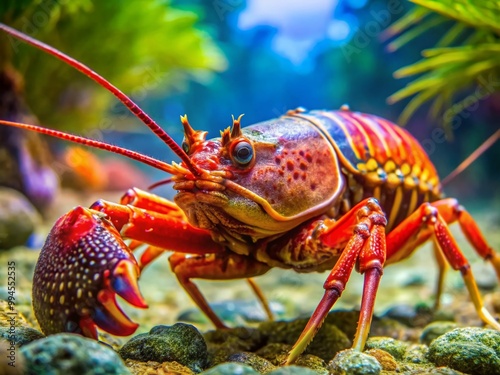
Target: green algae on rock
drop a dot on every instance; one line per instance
(470, 350)
(327, 342)
(253, 360)
(352, 362)
(392, 346)
(416, 354)
(222, 344)
(386, 360)
(21, 336)
(293, 370)
(67, 353)
(436, 329)
(231, 368)
(181, 342)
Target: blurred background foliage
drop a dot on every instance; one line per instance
(466, 55)
(143, 48)
(211, 59)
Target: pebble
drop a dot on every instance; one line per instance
(253, 360)
(18, 218)
(347, 322)
(328, 340)
(411, 316)
(21, 335)
(181, 343)
(277, 353)
(416, 354)
(436, 329)
(293, 370)
(223, 343)
(155, 368)
(386, 360)
(352, 362)
(470, 350)
(231, 369)
(66, 353)
(234, 312)
(392, 346)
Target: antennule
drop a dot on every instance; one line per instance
(127, 101)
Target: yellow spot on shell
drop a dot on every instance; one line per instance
(390, 166)
(51, 300)
(79, 293)
(393, 180)
(361, 167)
(433, 181)
(405, 169)
(61, 300)
(410, 182)
(61, 287)
(416, 170)
(372, 165)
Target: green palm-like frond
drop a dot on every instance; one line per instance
(466, 56)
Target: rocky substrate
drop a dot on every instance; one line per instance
(407, 337)
(441, 347)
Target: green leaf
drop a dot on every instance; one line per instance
(476, 14)
(447, 69)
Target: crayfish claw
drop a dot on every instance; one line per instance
(124, 283)
(83, 265)
(110, 317)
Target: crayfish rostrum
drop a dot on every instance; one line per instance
(309, 191)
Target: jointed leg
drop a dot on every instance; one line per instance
(432, 219)
(443, 267)
(224, 266)
(366, 245)
(142, 199)
(262, 298)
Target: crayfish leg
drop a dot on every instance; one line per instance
(366, 247)
(431, 220)
(224, 266)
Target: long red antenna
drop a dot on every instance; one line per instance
(134, 108)
(158, 164)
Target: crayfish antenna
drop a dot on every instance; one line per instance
(127, 101)
(96, 144)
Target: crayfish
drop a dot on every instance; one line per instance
(309, 191)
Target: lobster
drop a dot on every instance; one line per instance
(310, 191)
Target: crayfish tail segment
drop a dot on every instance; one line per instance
(82, 266)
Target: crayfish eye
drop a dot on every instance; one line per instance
(185, 147)
(243, 153)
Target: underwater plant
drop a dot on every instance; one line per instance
(144, 47)
(466, 56)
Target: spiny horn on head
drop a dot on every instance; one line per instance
(236, 130)
(127, 101)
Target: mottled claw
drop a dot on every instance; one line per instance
(82, 266)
